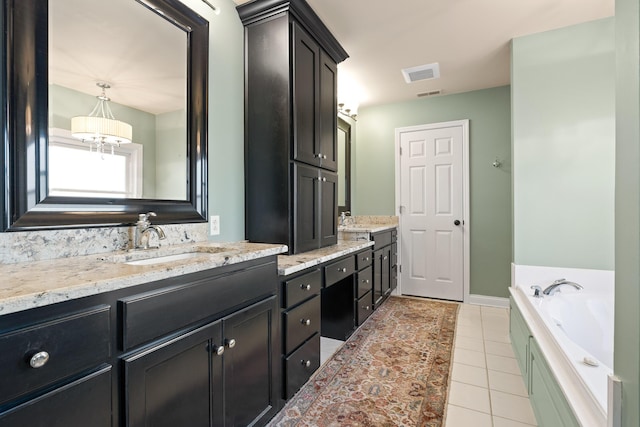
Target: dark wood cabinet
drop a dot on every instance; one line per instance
(290, 125)
(384, 265)
(201, 349)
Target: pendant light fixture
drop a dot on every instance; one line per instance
(100, 127)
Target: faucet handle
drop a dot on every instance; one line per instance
(145, 217)
(536, 291)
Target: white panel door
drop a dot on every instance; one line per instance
(431, 225)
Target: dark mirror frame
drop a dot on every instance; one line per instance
(24, 140)
(346, 128)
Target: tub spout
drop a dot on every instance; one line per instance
(555, 286)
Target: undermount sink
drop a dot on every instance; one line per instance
(166, 258)
(164, 254)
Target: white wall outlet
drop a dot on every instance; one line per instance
(215, 225)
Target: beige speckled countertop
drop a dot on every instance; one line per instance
(34, 284)
(289, 264)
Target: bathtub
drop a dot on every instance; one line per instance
(575, 331)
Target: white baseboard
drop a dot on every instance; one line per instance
(487, 300)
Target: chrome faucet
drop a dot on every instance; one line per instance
(554, 287)
(144, 228)
(343, 217)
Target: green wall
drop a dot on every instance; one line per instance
(226, 117)
(488, 111)
(627, 208)
(171, 140)
(563, 121)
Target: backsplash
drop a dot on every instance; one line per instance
(52, 244)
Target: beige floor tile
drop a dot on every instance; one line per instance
(507, 383)
(475, 344)
(463, 417)
(470, 397)
(499, 348)
(469, 331)
(503, 422)
(469, 357)
(498, 336)
(513, 407)
(469, 375)
(503, 364)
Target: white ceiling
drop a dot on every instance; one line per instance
(468, 38)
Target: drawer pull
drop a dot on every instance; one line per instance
(39, 359)
(219, 350)
(366, 307)
(230, 343)
(366, 259)
(365, 281)
(342, 270)
(305, 287)
(306, 363)
(306, 322)
(385, 257)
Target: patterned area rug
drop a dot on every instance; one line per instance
(393, 371)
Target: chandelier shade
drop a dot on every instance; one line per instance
(100, 126)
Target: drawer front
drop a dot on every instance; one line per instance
(394, 235)
(338, 270)
(302, 287)
(363, 259)
(364, 307)
(301, 322)
(381, 239)
(301, 364)
(394, 254)
(365, 282)
(85, 402)
(67, 346)
(146, 316)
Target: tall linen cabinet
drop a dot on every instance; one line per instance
(291, 184)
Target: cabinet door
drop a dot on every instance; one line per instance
(306, 221)
(250, 365)
(85, 402)
(328, 112)
(386, 270)
(306, 60)
(328, 209)
(377, 277)
(176, 383)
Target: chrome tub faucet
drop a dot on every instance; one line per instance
(144, 229)
(555, 286)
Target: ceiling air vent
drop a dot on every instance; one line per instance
(430, 93)
(421, 72)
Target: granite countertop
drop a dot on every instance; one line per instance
(366, 228)
(28, 285)
(289, 264)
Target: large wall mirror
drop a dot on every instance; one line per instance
(107, 112)
(344, 166)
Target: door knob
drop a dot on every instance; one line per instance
(456, 222)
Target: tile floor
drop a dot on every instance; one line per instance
(486, 386)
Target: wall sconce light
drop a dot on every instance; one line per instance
(346, 112)
(100, 127)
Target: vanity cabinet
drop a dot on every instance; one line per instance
(301, 328)
(290, 125)
(201, 349)
(364, 286)
(384, 265)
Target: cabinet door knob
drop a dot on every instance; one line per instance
(306, 363)
(219, 350)
(318, 156)
(324, 179)
(324, 156)
(39, 359)
(366, 307)
(305, 287)
(366, 281)
(385, 257)
(342, 270)
(306, 322)
(366, 259)
(231, 343)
